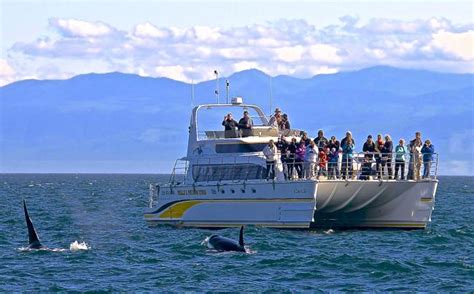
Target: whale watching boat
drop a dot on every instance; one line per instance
(221, 183)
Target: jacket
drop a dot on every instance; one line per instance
(311, 154)
(300, 151)
(320, 142)
(334, 156)
(270, 153)
(427, 152)
(323, 159)
(400, 153)
(387, 149)
(229, 125)
(347, 150)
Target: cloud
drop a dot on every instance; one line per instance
(279, 47)
(460, 45)
(7, 73)
(79, 28)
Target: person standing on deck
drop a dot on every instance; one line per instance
(276, 119)
(299, 160)
(368, 149)
(270, 151)
(282, 147)
(428, 151)
(291, 159)
(320, 140)
(387, 150)
(311, 155)
(347, 145)
(305, 139)
(400, 152)
(417, 159)
(322, 162)
(245, 125)
(333, 164)
(230, 126)
(412, 146)
(378, 157)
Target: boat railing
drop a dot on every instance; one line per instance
(257, 131)
(355, 166)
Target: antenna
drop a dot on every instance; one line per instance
(217, 85)
(271, 94)
(227, 86)
(192, 92)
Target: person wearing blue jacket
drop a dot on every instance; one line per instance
(347, 155)
(427, 151)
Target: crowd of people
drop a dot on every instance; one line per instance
(309, 158)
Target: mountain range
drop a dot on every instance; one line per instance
(118, 122)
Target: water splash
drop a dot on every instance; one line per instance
(75, 246)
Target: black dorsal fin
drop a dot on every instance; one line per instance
(241, 237)
(33, 239)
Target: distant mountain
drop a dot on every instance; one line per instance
(119, 122)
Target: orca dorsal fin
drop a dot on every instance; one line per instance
(241, 236)
(33, 239)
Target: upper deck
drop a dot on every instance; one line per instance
(206, 131)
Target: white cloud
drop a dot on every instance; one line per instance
(147, 30)
(79, 28)
(325, 53)
(460, 45)
(289, 54)
(175, 72)
(280, 47)
(7, 73)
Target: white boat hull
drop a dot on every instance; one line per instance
(374, 204)
(297, 204)
(267, 204)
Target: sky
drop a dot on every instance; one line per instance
(187, 40)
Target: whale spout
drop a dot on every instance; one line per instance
(34, 242)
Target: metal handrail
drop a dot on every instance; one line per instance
(354, 166)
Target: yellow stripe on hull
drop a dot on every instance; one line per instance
(177, 210)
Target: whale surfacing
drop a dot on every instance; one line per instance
(34, 242)
(220, 243)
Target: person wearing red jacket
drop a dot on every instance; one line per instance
(323, 161)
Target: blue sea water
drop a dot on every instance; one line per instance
(106, 212)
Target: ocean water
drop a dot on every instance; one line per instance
(117, 251)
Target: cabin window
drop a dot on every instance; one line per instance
(210, 172)
(239, 148)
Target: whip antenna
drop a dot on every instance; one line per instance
(217, 85)
(227, 86)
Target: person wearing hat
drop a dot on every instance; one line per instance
(245, 125)
(275, 120)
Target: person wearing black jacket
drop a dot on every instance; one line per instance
(282, 147)
(368, 149)
(348, 135)
(230, 126)
(290, 161)
(245, 124)
(333, 143)
(387, 150)
(320, 140)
